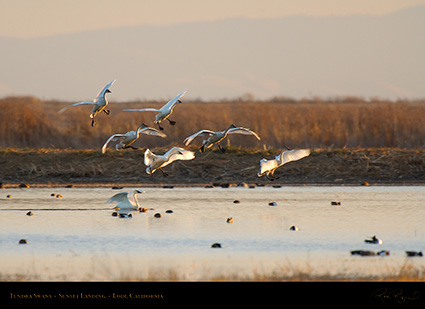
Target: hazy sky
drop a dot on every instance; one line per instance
(31, 18)
(387, 63)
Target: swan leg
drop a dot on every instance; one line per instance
(163, 173)
(92, 122)
(159, 127)
(268, 177)
(273, 176)
(202, 149)
(221, 148)
(171, 122)
(107, 111)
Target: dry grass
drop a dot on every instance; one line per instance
(339, 123)
(354, 141)
(406, 272)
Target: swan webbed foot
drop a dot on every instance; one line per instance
(221, 148)
(107, 111)
(92, 122)
(171, 122)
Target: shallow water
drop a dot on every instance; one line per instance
(76, 237)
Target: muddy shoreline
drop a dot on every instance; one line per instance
(236, 167)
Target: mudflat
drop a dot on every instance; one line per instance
(237, 166)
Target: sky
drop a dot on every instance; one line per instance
(37, 18)
(26, 70)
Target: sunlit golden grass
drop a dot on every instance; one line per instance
(405, 272)
(338, 123)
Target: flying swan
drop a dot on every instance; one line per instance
(99, 103)
(130, 137)
(217, 137)
(268, 167)
(126, 200)
(164, 112)
(157, 162)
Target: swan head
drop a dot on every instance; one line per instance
(108, 91)
(143, 125)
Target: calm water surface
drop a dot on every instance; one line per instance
(76, 237)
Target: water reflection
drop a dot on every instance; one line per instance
(80, 226)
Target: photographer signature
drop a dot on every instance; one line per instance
(398, 295)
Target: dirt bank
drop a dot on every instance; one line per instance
(52, 167)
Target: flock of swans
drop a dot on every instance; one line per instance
(156, 162)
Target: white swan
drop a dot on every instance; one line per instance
(157, 162)
(130, 137)
(164, 112)
(100, 102)
(268, 167)
(217, 137)
(127, 200)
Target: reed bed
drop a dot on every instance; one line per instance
(315, 123)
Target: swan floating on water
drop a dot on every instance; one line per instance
(156, 162)
(217, 137)
(100, 102)
(130, 137)
(268, 167)
(126, 200)
(164, 112)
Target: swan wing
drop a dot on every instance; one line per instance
(119, 197)
(112, 137)
(173, 101)
(76, 104)
(133, 196)
(199, 133)
(177, 153)
(266, 165)
(108, 85)
(245, 131)
(292, 155)
(152, 131)
(149, 157)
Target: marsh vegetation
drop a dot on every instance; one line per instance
(280, 122)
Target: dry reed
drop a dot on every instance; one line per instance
(338, 123)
